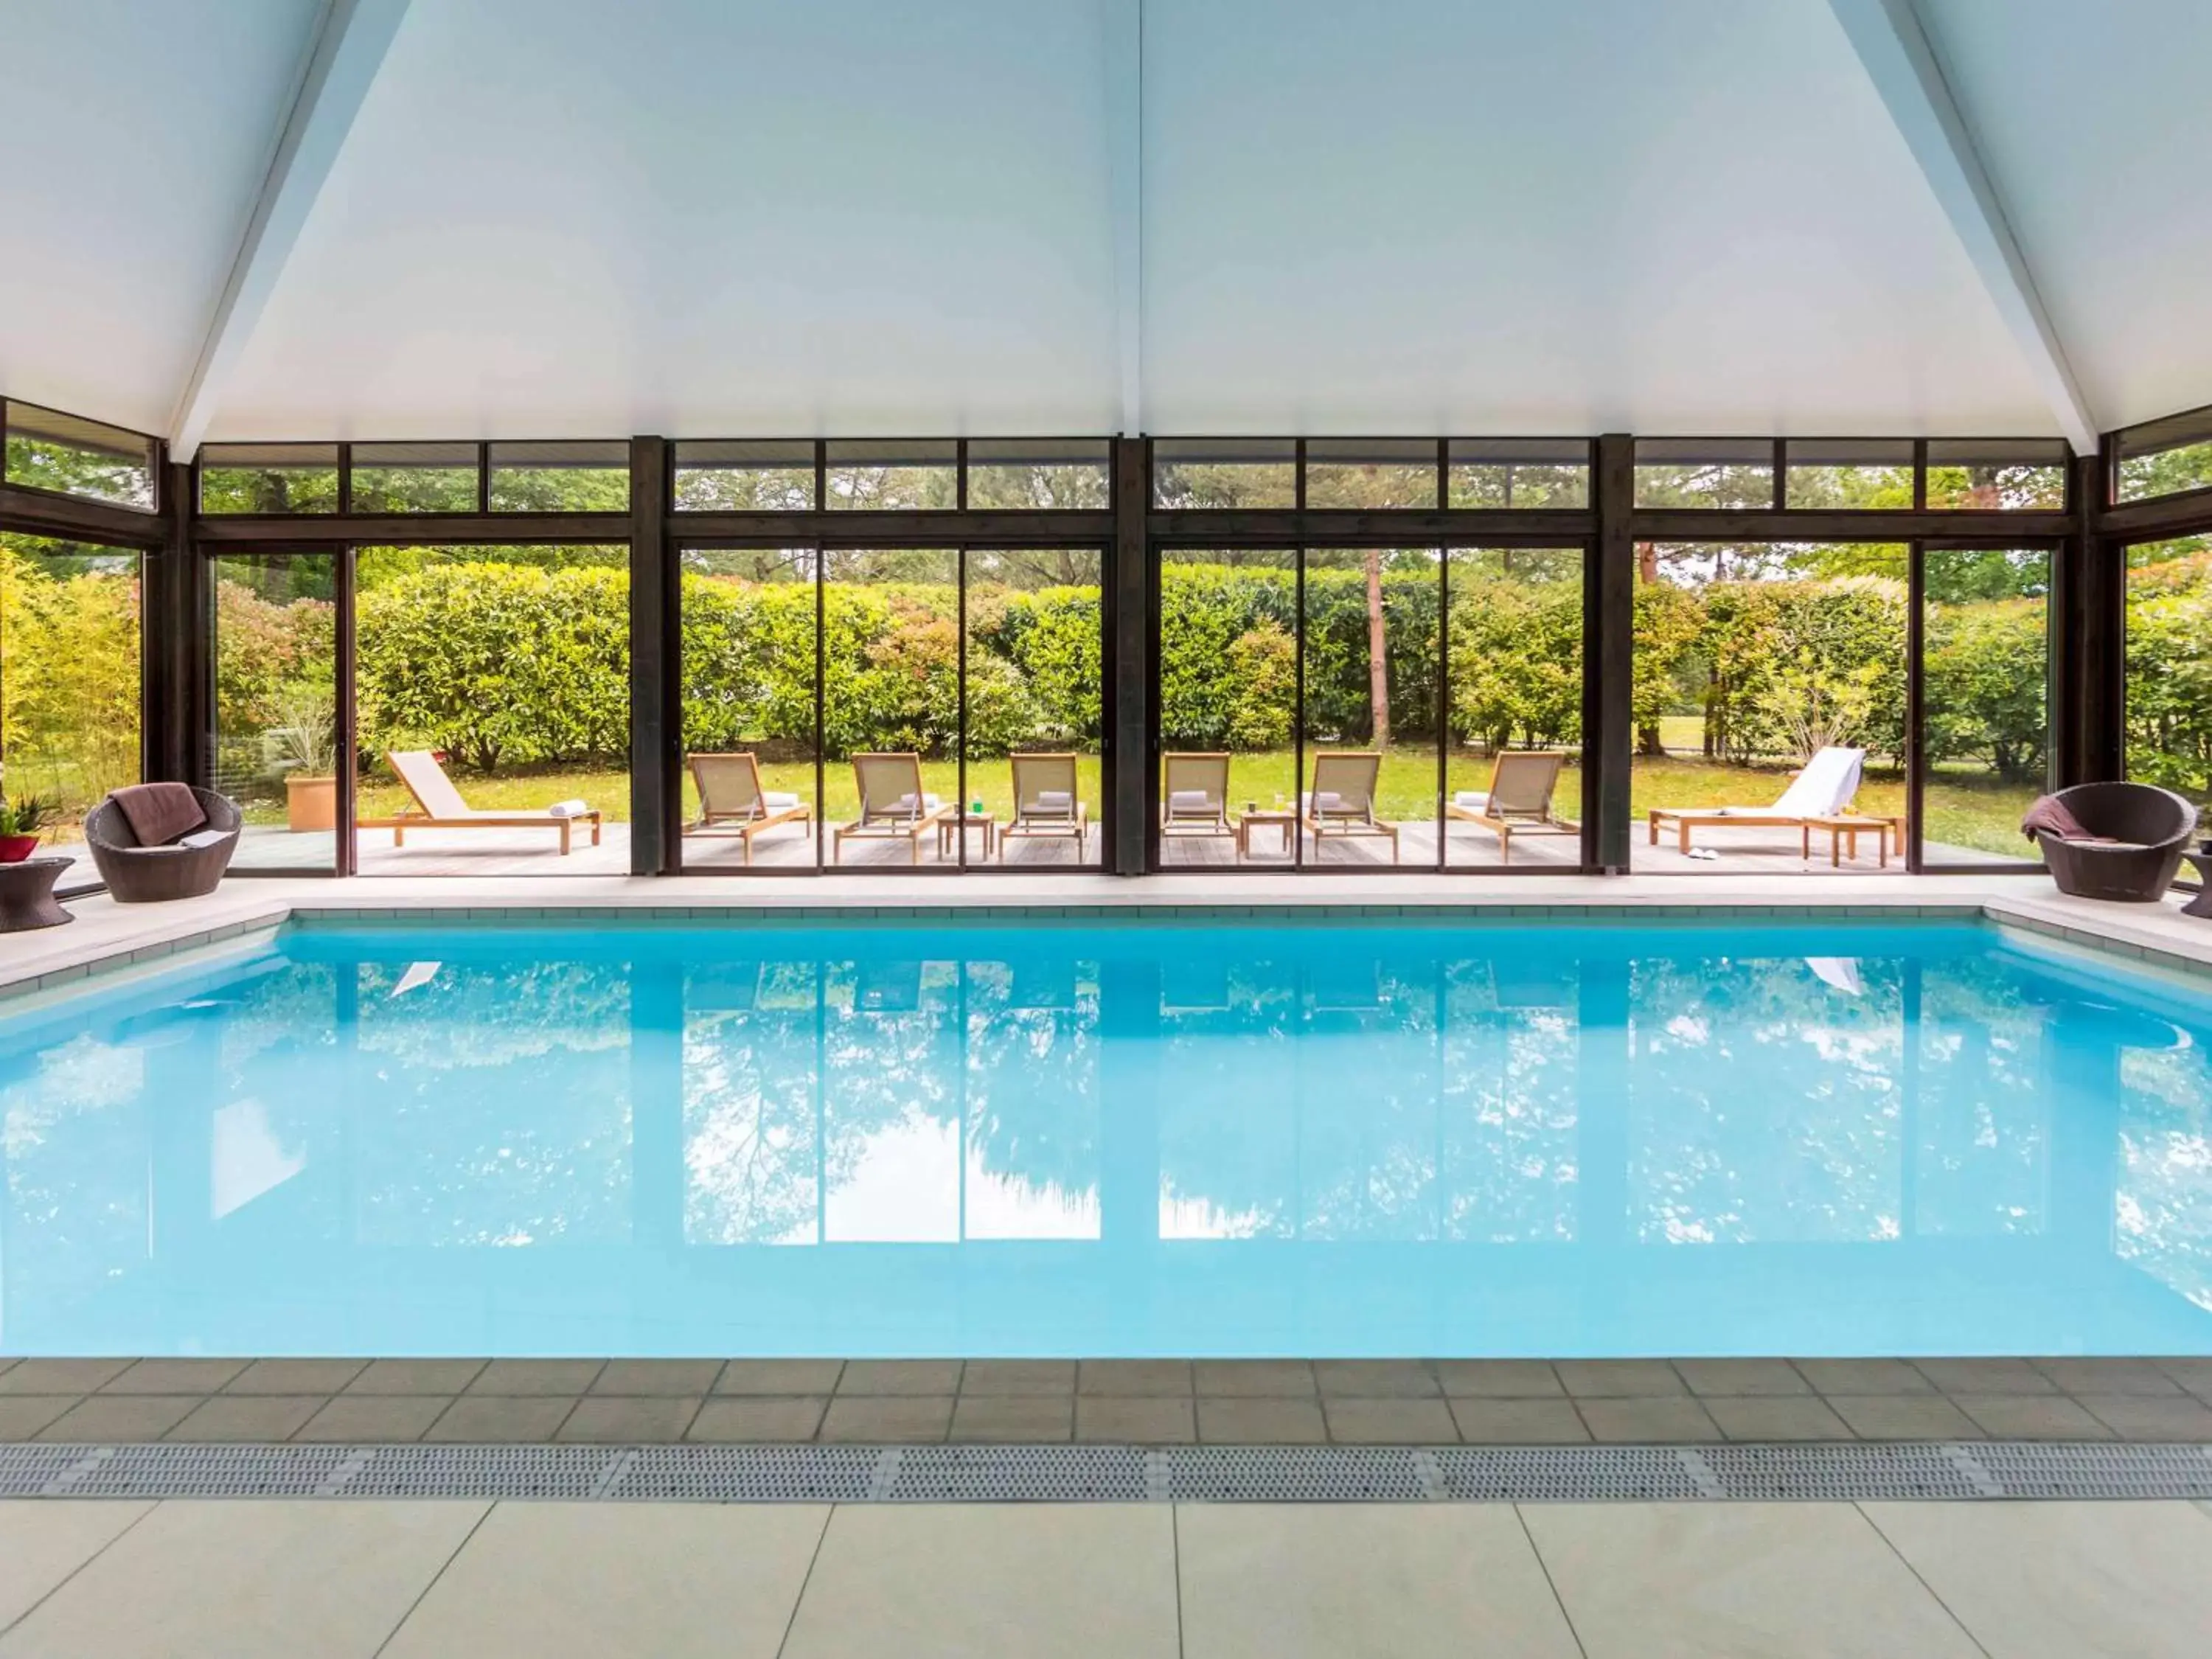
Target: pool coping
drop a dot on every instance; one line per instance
(122, 938)
(1279, 1402)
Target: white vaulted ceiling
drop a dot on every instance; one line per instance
(545, 218)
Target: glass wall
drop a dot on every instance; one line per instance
(960, 719)
(276, 749)
(1984, 713)
(491, 707)
(71, 685)
(2169, 666)
(45, 449)
(1768, 696)
(1514, 697)
(1368, 718)
(1228, 706)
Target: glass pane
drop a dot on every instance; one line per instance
(1769, 680)
(275, 705)
(492, 681)
(415, 478)
(1513, 779)
(1229, 472)
(748, 687)
(1035, 703)
(71, 686)
(559, 477)
(744, 476)
(2165, 458)
(1984, 715)
(269, 478)
(918, 476)
(1705, 472)
(1370, 791)
(1993, 474)
(1353, 472)
(1061, 474)
(1228, 696)
(1520, 472)
(891, 708)
(2169, 657)
(47, 449)
(1848, 473)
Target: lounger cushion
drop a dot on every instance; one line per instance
(905, 804)
(1327, 801)
(1474, 799)
(778, 800)
(1190, 800)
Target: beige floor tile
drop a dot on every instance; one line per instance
(1772, 1419)
(125, 1417)
(546, 1376)
(628, 1420)
(744, 1418)
(492, 1420)
(1376, 1379)
(1248, 1379)
(2031, 1417)
(2095, 1376)
(894, 1420)
(22, 1415)
(1281, 1581)
(248, 1579)
(1736, 1581)
(1261, 1423)
(1129, 1421)
(1620, 1379)
(42, 1541)
(416, 1375)
(668, 1379)
(2145, 1417)
(174, 1376)
(1740, 1377)
(788, 1377)
(304, 1377)
(249, 1416)
(673, 1580)
(988, 1377)
(1863, 1376)
(1519, 1422)
(1986, 1376)
(373, 1419)
(923, 1581)
(1903, 1417)
(1014, 1418)
(1659, 1422)
(2068, 1580)
(1499, 1379)
(1391, 1422)
(1133, 1376)
(58, 1376)
(883, 1375)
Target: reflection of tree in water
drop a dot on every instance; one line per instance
(751, 1129)
(497, 1105)
(1512, 1113)
(1033, 1098)
(2164, 1221)
(73, 1127)
(1983, 1141)
(1228, 1124)
(1764, 1103)
(1369, 1104)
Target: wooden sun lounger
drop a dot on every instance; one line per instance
(1352, 774)
(1035, 776)
(1204, 774)
(442, 808)
(1521, 783)
(733, 803)
(892, 803)
(1824, 788)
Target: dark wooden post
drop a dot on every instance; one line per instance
(2088, 678)
(655, 706)
(177, 637)
(1609, 658)
(1129, 696)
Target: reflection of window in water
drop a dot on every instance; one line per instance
(2163, 1202)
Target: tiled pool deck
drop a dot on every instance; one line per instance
(1124, 1402)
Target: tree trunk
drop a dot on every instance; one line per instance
(1378, 659)
(1647, 561)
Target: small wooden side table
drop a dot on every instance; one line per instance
(26, 895)
(1284, 820)
(959, 824)
(2202, 904)
(1843, 824)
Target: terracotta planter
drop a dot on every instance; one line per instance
(310, 803)
(14, 849)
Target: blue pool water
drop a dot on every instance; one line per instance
(1143, 1139)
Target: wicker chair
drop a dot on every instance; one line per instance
(2149, 828)
(150, 875)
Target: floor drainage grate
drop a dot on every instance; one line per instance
(1092, 1475)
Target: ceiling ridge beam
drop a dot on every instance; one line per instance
(1125, 144)
(350, 43)
(1898, 49)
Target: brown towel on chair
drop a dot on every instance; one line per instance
(2051, 816)
(159, 812)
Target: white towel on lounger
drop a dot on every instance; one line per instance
(778, 800)
(1475, 800)
(1190, 800)
(568, 809)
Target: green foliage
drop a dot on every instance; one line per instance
(25, 815)
(1983, 686)
(2169, 654)
(70, 677)
(1786, 661)
(1263, 670)
(1517, 653)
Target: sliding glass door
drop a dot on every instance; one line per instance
(1983, 685)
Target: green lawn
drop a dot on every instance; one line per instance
(1965, 809)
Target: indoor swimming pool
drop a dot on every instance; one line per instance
(1206, 1136)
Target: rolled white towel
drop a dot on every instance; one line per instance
(1056, 798)
(568, 809)
(1190, 800)
(905, 804)
(1474, 800)
(1327, 801)
(778, 800)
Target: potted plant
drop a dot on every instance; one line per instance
(21, 820)
(302, 747)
